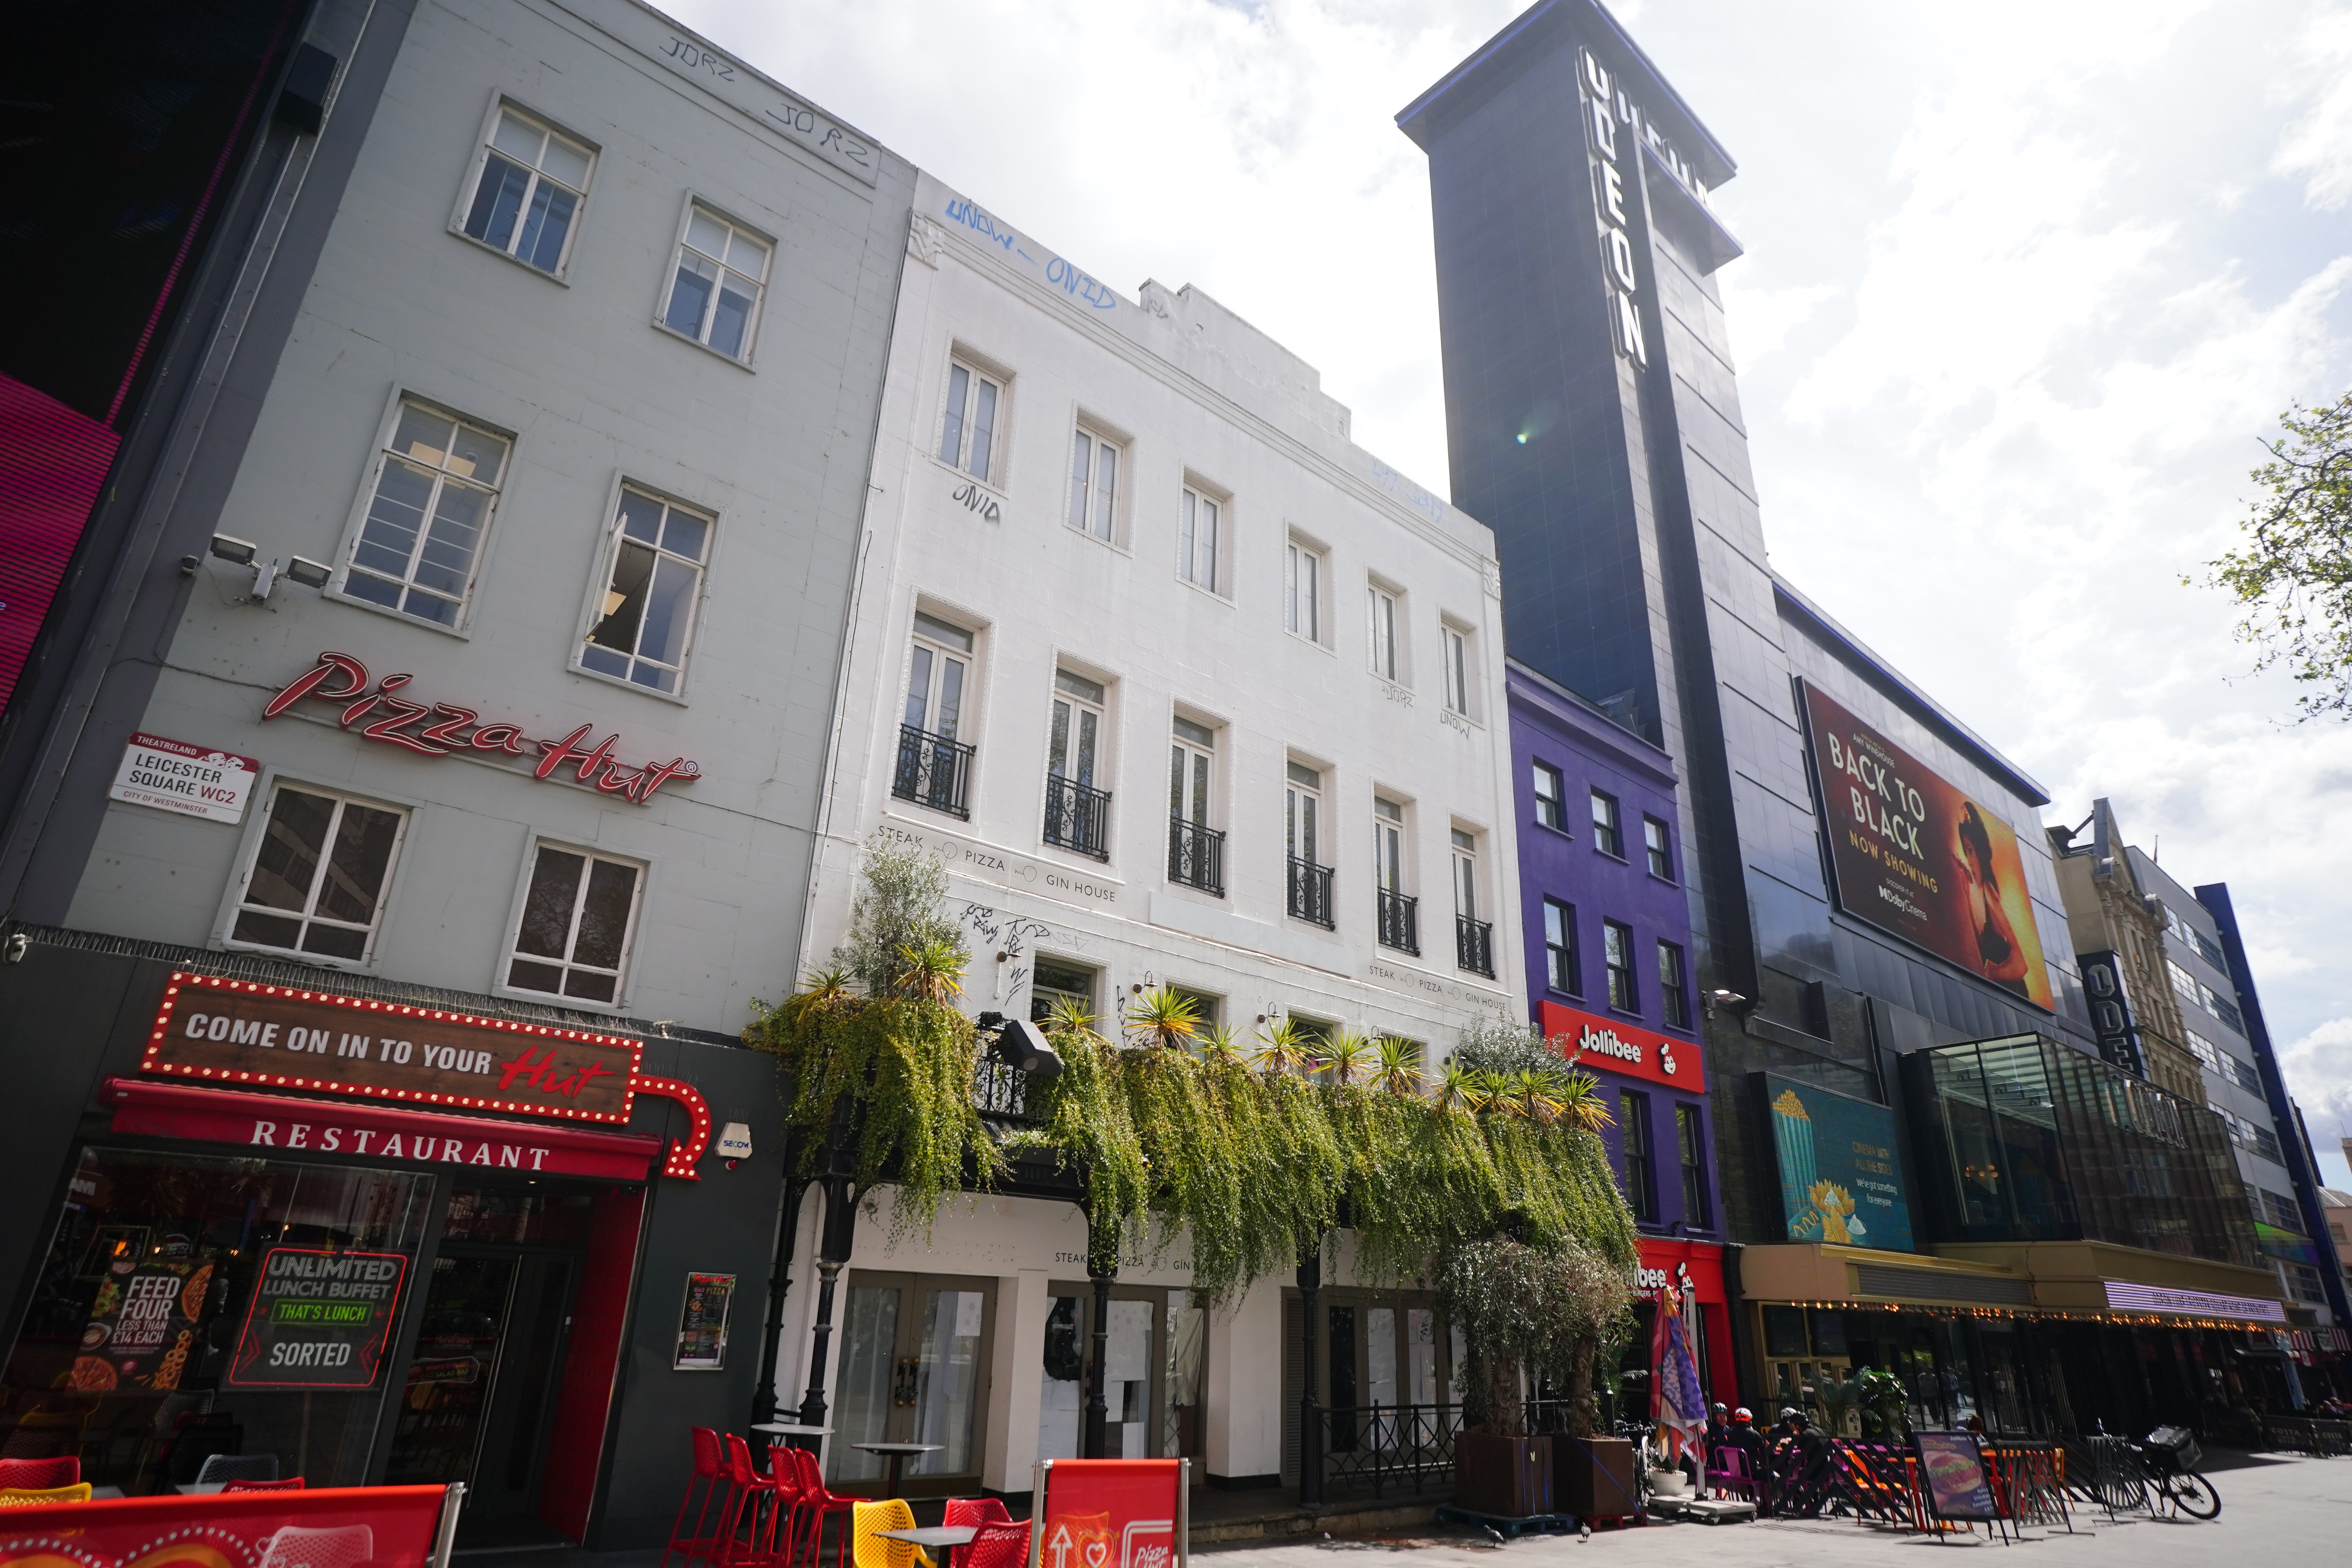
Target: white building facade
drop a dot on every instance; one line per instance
(1185, 690)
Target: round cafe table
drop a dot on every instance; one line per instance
(893, 1459)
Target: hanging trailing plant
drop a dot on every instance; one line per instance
(900, 1056)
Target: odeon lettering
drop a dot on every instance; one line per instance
(398, 722)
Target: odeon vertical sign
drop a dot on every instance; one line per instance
(1614, 122)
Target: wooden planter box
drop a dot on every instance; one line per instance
(1592, 1477)
(1508, 1477)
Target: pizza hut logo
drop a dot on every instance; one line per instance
(382, 713)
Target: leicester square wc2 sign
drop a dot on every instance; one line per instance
(228, 1032)
(195, 781)
(380, 713)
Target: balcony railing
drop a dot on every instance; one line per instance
(1400, 922)
(933, 771)
(1078, 816)
(1473, 946)
(1196, 856)
(1310, 891)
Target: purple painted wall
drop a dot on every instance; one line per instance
(1553, 727)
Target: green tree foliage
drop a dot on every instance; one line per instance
(1540, 1309)
(2293, 574)
(901, 1053)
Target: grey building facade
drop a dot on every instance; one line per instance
(544, 466)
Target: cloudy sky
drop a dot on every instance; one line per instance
(2025, 285)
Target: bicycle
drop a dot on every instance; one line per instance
(2170, 1458)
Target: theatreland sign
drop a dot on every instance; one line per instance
(398, 722)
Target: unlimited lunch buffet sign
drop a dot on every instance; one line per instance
(436, 730)
(225, 1032)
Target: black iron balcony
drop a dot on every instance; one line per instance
(1078, 816)
(1310, 891)
(1473, 946)
(1196, 856)
(933, 771)
(1400, 922)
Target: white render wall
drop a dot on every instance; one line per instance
(1200, 396)
(593, 393)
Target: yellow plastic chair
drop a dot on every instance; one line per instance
(18, 1497)
(868, 1549)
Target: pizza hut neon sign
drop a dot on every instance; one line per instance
(382, 713)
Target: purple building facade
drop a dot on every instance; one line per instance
(1606, 919)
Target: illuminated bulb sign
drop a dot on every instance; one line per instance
(438, 728)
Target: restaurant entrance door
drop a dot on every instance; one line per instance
(480, 1389)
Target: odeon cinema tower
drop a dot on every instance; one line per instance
(1594, 421)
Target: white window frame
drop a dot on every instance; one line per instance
(1083, 510)
(1463, 844)
(1304, 571)
(471, 186)
(1294, 790)
(980, 374)
(940, 649)
(1188, 754)
(503, 984)
(695, 207)
(1457, 667)
(1197, 505)
(600, 587)
(1392, 864)
(355, 525)
(1383, 632)
(249, 855)
(1537, 772)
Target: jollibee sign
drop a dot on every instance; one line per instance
(1612, 1044)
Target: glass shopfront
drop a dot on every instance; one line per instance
(1156, 1342)
(195, 1305)
(914, 1360)
(348, 1325)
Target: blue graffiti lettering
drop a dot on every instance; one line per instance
(974, 217)
(1084, 285)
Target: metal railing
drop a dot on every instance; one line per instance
(1078, 816)
(1310, 891)
(1473, 946)
(1001, 1090)
(1381, 1448)
(933, 771)
(1400, 922)
(1196, 856)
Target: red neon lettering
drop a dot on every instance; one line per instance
(654, 777)
(403, 713)
(506, 738)
(560, 751)
(445, 733)
(308, 684)
(360, 710)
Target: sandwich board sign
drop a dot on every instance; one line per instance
(1111, 1514)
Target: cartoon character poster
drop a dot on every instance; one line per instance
(1840, 1181)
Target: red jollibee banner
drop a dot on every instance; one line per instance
(1111, 1514)
(334, 1527)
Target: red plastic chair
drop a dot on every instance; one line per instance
(976, 1510)
(817, 1503)
(291, 1484)
(39, 1475)
(746, 1537)
(711, 1474)
(998, 1545)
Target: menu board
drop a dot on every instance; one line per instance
(702, 1323)
(146, 1318)
(317, 1319)
(1954, 1468)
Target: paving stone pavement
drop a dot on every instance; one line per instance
(2277, 1512)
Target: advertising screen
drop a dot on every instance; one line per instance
(1839, 1178)
(1918, 858)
